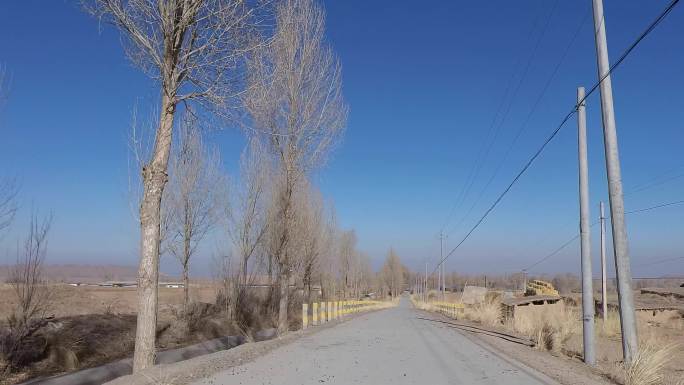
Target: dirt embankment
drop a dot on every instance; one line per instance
(90, 326)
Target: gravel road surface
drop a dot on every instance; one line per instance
(393, 346)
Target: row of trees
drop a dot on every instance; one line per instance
(266, 67)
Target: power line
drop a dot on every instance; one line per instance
(555, 132)
(655, 182)
(659, 261)
(655, 207)
(486, 148)
(574, 238)
(523, 126)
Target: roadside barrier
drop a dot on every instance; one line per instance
(305, 316)
(322, 312)
(449, 309)
(314, 314)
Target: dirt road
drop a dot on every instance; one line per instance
(393, 346)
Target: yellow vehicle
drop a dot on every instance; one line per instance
(539, 287)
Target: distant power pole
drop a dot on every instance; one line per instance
(439, 268)
(426, 284)
(441, 264)
(604, 290)
(444, 274)
(587, 287)
(623, 272)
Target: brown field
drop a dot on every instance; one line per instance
(70, 300)
(88, 326)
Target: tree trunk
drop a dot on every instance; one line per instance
(186, 256)
(186, 287)
(154, 178)
(270, 269)
(284, 286)
(306, 281)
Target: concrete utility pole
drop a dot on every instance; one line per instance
(426, 284)
(587, 287)
(444, 273)
(604, 290)
(617, 208)
(441, 264)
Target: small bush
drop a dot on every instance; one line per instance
(487, 313)
(647, 367)
(610, 327)
(550, 326)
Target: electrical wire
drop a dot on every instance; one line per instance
(555, 132)
(485, 149)
(523, 126)
(659, 261)
(655, 207)
(574, 238)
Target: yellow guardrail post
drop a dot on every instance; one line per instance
(314, 313)
(305, 315)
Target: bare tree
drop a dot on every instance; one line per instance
(222, 272)
(191, 49)
(393, 273)
(247, 216)
(295, 96)
(26, 276)
(193, 196)
(316, 237)
(348, 259)
(8, 186)
(8, 202)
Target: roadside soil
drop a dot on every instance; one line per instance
(563, 369)
(90, 326)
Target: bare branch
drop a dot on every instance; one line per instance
(194, 194)
(8, 202)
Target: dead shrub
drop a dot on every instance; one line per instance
(610, 327)
(19, 342)
(195, 313)
(20, 345)
(487, 313)
(550, 326)
(648, 365)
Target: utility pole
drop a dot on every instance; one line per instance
(604, 295)
(444, 274)
(441, 265)
(587, 287)
(524, 281)
(426, 284)
(623, 272)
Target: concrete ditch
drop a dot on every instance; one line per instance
(101, 374)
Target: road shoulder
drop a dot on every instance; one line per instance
(194, 369)
(564, 370)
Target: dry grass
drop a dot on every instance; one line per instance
(648, 366)
(549, 326)
(609, 328)
(487, 313)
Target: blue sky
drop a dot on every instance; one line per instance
(424, 83)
